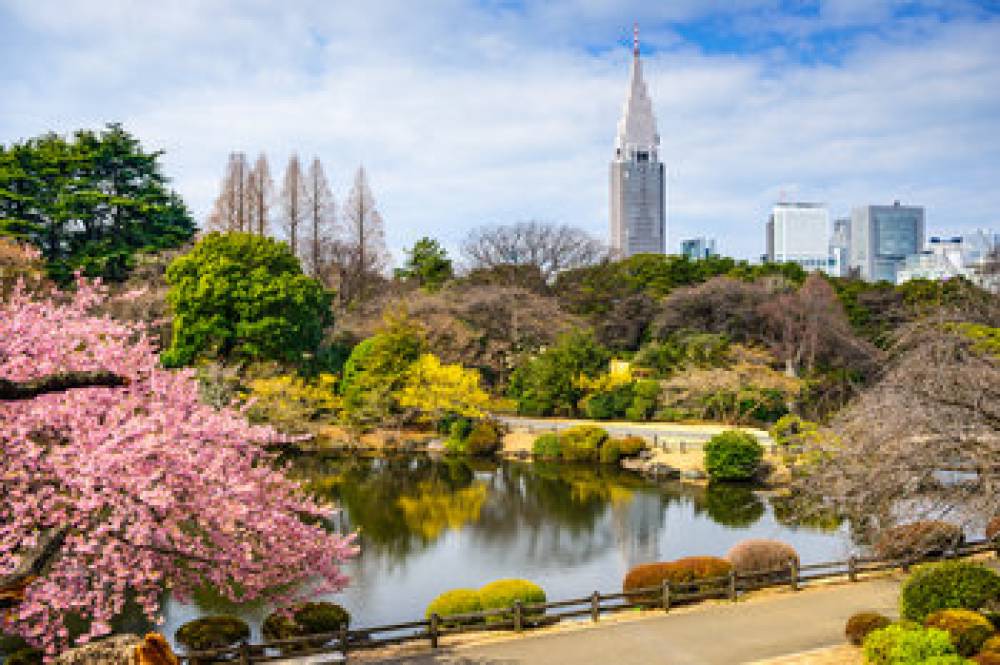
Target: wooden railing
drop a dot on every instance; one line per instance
(523, 616)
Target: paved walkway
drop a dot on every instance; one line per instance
(756, 629)
(692, 435)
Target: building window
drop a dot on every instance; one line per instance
(642, 156)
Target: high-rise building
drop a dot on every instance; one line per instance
(800, 233)
(840, 247)
(882, 236)
(699, 248)
(638, 177)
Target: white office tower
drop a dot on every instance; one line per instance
(882, 237)
(638, 177)
(800, 233)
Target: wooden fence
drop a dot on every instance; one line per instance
(525, 616)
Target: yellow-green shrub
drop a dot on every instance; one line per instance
(456, 601)
(968, 629)
(582, 443)
(503, 594)
(288, 401)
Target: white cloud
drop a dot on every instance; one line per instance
(469, 114)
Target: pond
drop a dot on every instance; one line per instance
(429, 525)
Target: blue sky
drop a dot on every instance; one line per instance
(470, 113)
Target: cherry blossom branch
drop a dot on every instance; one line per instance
(54, 383)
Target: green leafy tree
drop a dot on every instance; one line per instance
(378, 370)
(241, 296)
(549, 384)
(427, 264)
(733, 455)
(89, 203)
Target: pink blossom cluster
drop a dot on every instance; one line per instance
(152, 488)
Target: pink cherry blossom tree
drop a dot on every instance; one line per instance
(127, 484)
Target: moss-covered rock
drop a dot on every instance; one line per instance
(212, 632)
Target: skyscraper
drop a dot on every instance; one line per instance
(638, 177)
(882, 237)
(799, 233)
(699, 248)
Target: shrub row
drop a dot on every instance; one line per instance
(501, 594)
(302, 620)
(586, 443)
(746, 557)
(940, 622)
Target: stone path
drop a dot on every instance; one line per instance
(757, 629)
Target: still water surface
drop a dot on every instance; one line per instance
(431, 525)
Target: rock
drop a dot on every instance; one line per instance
(633, 464)
(661, 471)
(435, 445)
(117, 650)
(693, 474)
(646, 454)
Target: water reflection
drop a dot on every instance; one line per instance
(427, 525)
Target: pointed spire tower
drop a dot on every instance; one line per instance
(638, 177)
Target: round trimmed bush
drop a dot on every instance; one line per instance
(547, 447)
(968, 629)
(993, 528)
(456, 601)
(688, 570)
(918, 539)
(484, 440)
(503, 593)
(582, 443)
(907, 644)
(212, 632)
(947, 585)
(761, 556)
(733, 455)
(630, 446)
(305, 619)
(862, 623)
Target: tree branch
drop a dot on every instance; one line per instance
(14, 390)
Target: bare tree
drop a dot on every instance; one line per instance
(293, 202)
(321, 225)
(936, 409)
(550, 248)
(230, 210)
(259, 190)
(808, 325)
(366, 254)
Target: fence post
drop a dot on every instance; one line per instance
(518, 616)
(344, 639)
(656, 443)
(793, 577)
(852, 568)
(732, 585)
(435, 620)
(244, 653)
(666, 595)
(595, 606)
(682, 446)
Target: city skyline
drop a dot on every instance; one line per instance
(483, 113)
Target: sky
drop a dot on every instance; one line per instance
(474, 113)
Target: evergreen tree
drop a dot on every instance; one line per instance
(427, 264)
(89, 203)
